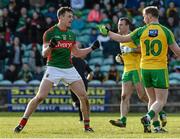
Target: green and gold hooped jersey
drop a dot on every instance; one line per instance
(154, 40)
(61, 55)
(131, 60)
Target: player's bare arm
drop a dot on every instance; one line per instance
(47, 47)
(82, 52)
(46, 50)
(115, 36)
(175, 48)
(119, 38)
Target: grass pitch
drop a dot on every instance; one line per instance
(66, 125)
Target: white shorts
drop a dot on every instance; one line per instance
(67, 76)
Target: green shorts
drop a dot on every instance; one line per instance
(157, 78)
(131, 76)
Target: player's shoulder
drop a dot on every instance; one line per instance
(138, 31)
(69, 31)
(50, 30)
(164, 27)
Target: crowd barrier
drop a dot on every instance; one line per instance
(102, 98)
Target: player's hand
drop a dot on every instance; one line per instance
(127, 50)
(95, 45)
(53, 42)
(103, 29)
(119, 59)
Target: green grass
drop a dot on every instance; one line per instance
(66, 125)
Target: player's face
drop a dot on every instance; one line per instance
(146, 18)
(122, 27)
(67, 19)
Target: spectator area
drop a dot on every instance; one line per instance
(22, 24)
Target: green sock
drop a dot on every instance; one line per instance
(162, 112)
(123, 119)
(156, 124)
(151, 114)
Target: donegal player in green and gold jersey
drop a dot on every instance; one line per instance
(131, 78)
(154, 39)
(58, 44)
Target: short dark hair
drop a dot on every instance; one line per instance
(62, 10)
(128, 22)
(153, 10)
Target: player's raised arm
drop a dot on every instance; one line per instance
(115, 36)
(82, 52)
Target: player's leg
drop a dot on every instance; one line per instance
(43, 91)
(146, 80)
(163, 118)
(79, 89)
(145, 120)
(127, 90)
(139, 87)
(141, 92)
(161, 81)
(161, 99)
(76, 104)
(143, 96)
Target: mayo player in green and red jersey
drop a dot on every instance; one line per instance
(154, 40)
(58, 44)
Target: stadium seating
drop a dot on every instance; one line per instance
(174, 82)
(97, 53)
(1, 77)
(108, 61)
(20, 82)
(174, 76)
(94, 82)
(105, 68)
(5, 82)
(109, 82)
(34, 82)
(94, 61)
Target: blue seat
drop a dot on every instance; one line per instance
(94, 61)
(105, 68)
(108, 61)
(34, 82)
(1, 77)
(174, 82)
(92, 67)
(120, 68)
(5, 82)
(97, 53)
(19, 82)
(95, 82)
(174, 76)
(109, 82)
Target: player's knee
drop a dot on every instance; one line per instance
(164, 102)
(39, 98)
(140, 97)
(160, 102)
(83, 97)
(151, 102)
(143, 98)
(123, 97)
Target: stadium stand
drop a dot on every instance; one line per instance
(26, 21)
